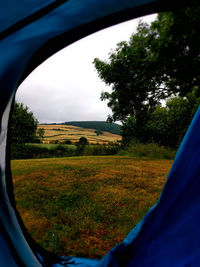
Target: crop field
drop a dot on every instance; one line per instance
(89, 203)
(61, 133)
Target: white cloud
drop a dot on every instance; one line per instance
(66, 87)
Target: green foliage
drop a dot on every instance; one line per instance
(150, 150)
(23, 151)
(98, 125)
(168, 125)
(41, 132)
(159, 61)
(101, 150)
(30, 151)
(26, 151)
(53, 146)
(134, 127)
(23, 125)
(165, 125)
(83, 141)
(175, 43)
(98, 132)
(81, 145)
(131, 70)
(68, 142)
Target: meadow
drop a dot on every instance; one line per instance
(89, 203)
(60, 133)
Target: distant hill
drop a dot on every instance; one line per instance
(62, 134)
(98, 125)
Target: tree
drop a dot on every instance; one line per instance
(159, 61)
(41, 132)
(23, 125)
(168, 125)
(165, 125)
(131, 70)
(67, 142)
(176, 46)
(98, 132)
(83, 141)
(81, 145)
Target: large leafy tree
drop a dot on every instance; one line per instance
(23, 125)
(131, 70)
(160, 60)
(176, 45)
(165, 125)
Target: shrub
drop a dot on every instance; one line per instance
(26, 151)
(100, 150)
(83, 141)
(150, 150)
(23, 151)
(67, 142)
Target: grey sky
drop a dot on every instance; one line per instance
(66, 87)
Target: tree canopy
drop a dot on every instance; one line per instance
(130, 71)
(41, 132)
(83, 141)
(159, 61)
(23, 125)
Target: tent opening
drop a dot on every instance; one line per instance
(78, 189)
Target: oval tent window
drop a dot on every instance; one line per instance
(78, 187)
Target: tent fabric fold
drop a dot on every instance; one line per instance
(30, 32)
(169, 233)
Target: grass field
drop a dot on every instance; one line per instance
(89, 203)
(67, 132)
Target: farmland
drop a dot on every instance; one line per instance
(61, 133)
(89, 203)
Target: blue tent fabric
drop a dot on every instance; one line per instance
(30, 32)
(169, 233)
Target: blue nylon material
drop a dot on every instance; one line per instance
(6, 258)
(169, 234)
(25, 42)
(12, 11)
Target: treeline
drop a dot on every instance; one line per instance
(164, 125)
(159, 64)
(97, 125)
(30, 151)
(24, 132)
(25, 125)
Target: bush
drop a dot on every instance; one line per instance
(100, 150)
(61, 151)
(67, 142)
(23, 151)
(83, 141)
(151, 150)
(26, 151)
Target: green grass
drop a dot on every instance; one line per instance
(89, 203)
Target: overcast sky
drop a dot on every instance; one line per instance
(66, 87)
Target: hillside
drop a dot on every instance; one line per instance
(113, 128)
(60, 133)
